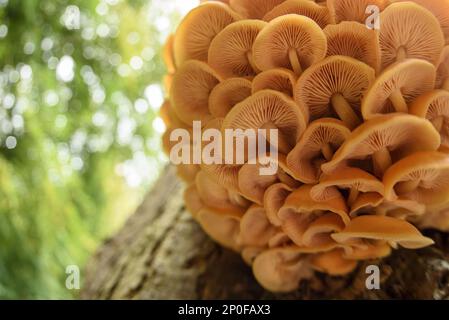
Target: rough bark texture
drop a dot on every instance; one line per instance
(161, 253)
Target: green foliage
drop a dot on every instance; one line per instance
(78, 147)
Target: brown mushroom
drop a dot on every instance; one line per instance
(274, 199)
(333, 263)
(227, 94)
(354, 179)
(279, 79)
(394, 231)
(422, 176)
(192, 199)
(398, 86)
(315, 147)
(434, 106)
(440, 9)
(334, 86)
(168, 55)
(384, 139)
(187, 172)
(409, 31)
(442, 80)
(307, 8)
(199, 28)
(254, 9)
(255, 229)
(230, 53)
(268, 109)
(291, 41)
(190, 91)
(350, 10)
(281, 269)
(353, 39)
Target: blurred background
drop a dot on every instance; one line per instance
(80, 90)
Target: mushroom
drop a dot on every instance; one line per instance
(422, 177)
(374, 203)
(354, 179)
(230, 53)
(440, 9)
(252, 184)
(279, 79)
(334, 86)
(255, 229)
(409, 31)
(291, 41)
(274, 199)
(190, 91)
(398, 86)
(434, 106)
(281, 269)
(192, 200)
(199, 28)
(227, 94)
(442, 80)
(168, 55)
(394, 231)
(187, 172)
(222, 226)
(307, 8)
(315, 147)
(268, 109)
(384, 139)
(350, 10)
(333, 263)
(436, 219)
(300, 212)
(254, 9)
(249, 254)
(353, 39)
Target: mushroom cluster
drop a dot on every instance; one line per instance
(363, 121)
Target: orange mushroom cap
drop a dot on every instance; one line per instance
(254, 9)
(279, 79)
(350, 10)
(227, 94)
(333, 263)
(274, 199)
(442, 80)
(255, 229)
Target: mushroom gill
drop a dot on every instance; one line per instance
(350, 10)
(292, 41)
(442, 81)
(334, 87)
(279, 79)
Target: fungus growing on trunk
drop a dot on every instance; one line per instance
(291, 41)
(334, 87)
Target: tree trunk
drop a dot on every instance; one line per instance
(161, 253)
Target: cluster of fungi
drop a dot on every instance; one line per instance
(363, 121)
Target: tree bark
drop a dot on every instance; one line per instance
(161, 253)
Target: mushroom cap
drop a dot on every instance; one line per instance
(440, 9)
(281, 269)
(412, 77)
(333, 263)
(249, 254)
(334, 75)
(367, 250)
(255, 229)
(190, 91)
(443, 68)
(318, 231)
(274, 199)
(199, 28)
(227, 94)
(278, 79)
(350, 10)
(434, 106)
(401, 134)
(383, 228)
(222, 226)
(409, 31)
(307, 8)
(268, 108)
(302, 159)
(187, 172)
(168, 54)
(353, 39)
(254, 9)
(290, 32)
(430, 170)
(192, 200)
(229, 51)
(346, 178)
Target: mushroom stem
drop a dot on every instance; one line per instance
(381, 161)
(353, 194)
(402, 54)
(407, 186)
(249, 56)
(282, 145)
(345, 111)
(294, 61)
(398, 101)
(446, 85)
(327, 151)
(438, 123)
